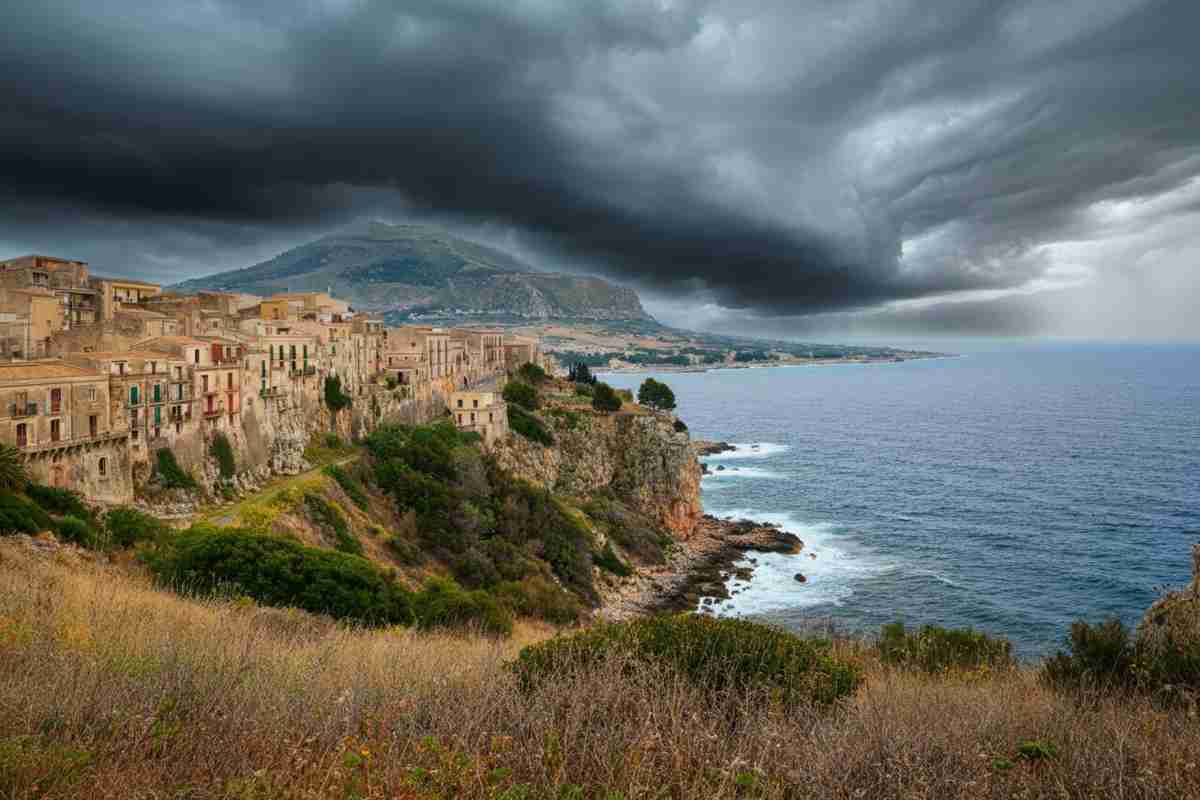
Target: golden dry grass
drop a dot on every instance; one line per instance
(110, 688)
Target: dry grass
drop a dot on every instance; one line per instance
(111, 689)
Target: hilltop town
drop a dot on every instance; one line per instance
(99, 374)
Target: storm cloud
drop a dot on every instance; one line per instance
(953, 163)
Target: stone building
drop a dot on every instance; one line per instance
(484, 413)
(113, 293)
(66, 279)
(60, 417)
(520, 350)
(29, 317)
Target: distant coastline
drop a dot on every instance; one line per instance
(796, 362)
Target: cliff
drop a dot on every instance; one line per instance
(639, 457)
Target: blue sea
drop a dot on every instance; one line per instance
(1012, 490)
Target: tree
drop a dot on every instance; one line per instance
(531, 373)
(656, 395)
(604, 398)
(13, 475)
(521, 394)
(579, 373)
(335, 400)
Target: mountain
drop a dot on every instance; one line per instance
(424, 269)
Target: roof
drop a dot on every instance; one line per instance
(171, 340)
(140, 312)
(44, 370)
(125, 355)
(125, 280)
(39, 255)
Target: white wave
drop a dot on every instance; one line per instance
(742, 472)
(830, 577)
(749, 450)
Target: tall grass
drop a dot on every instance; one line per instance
(110, 688)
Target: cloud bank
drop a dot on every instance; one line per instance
(939, 165)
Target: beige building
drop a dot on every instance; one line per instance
(484, 413)
(520, 350)
(66, 279)
(113, 293)
(28, 319)
(59, 416)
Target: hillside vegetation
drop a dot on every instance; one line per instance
(111, 688)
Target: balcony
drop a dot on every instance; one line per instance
(73, 441)
(28, 410)
(305, 372)
(213, 413)
(270, 391)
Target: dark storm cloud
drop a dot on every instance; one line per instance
(785, 157)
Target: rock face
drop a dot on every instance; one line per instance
(1172, 624)
(640, 457)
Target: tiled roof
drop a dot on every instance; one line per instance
(43, 370)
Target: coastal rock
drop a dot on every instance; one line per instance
(799, 578)
(1172, 624)
(703, 447)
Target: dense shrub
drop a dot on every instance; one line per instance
(605, 398)
(936, 649)
(656, 395)
(640, 538)
(353, 489)
(18, 515)
(521, 394)
(579, 373)
(680, 427)
(170, 473)
(531, 373)
(330, 517)
(406, 552)
(13, 473)
(584, 389)
(222, 451)
(535, 596)
(281, 572)
(58, 501)
(77, 531)
(1167, 647)
(1097, 657)
(426, 448)
(445, 604)
(475, 569)
(126, 527)
(529, 426)
(335, 398)
(607, 560)
(715, 654)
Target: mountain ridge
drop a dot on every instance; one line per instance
(408, 267)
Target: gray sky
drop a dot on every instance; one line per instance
(793, 167)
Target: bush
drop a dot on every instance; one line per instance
(529, 426)
(281, 572)
(1097, 657)
(330, 517)
(581, 375)
(535, 596)
(936, 649)
(77, 531)
(715, 654)
(605, 398)
(608, 560)
(445, 604)
(521, 394)
(353, 489)
(13, 473)
(679, 426)
(640, 538)
(335, 398)
(58, 501)
(584, 389)
(406, 552)
(18, 515)
(656, 395)
(531, 373)
(222, 451)
(126, 527)
(170, 473)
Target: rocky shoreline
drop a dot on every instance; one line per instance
(697, 567)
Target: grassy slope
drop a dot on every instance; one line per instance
(109, 688)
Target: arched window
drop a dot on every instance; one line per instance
(103, 466)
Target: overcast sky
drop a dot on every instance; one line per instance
(797, 167)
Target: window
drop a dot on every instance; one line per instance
(460, 402)
(195, 356)
(103, 466)
(179, 427)
(229, 381)
(158, 392)
(460, 419)
(91, 394)
(55, 401)
(153, 367)
(133, 434)
(93, 425)
(133, 395)
(204, 382)
(476, 402)
(22, 434)
(55, 430)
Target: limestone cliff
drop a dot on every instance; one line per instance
(640, 457)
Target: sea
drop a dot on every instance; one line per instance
(1011, 490)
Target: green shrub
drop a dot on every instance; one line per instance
(335, 398)
(58, 501)
(535, 596)
(126, 527)
(608, 560)
(170, 473)
(529, 426)
(406, 552)
(521, 394)
(680, 427)
(328, 516)
(221, 450)
(13, 472)
(605, 398)
(18, 515)
(639, 537)
(584, 389)
(445, 604)
(531, 373)
(1097, 657)
(353, 489)
(936, 649)
(281, 572)
(77, 531)
(715, 654)
(475, 569)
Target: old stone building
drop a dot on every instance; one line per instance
(484, 413)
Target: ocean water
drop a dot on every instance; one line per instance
(1011, 491)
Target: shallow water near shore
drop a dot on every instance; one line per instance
(1011, 491)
